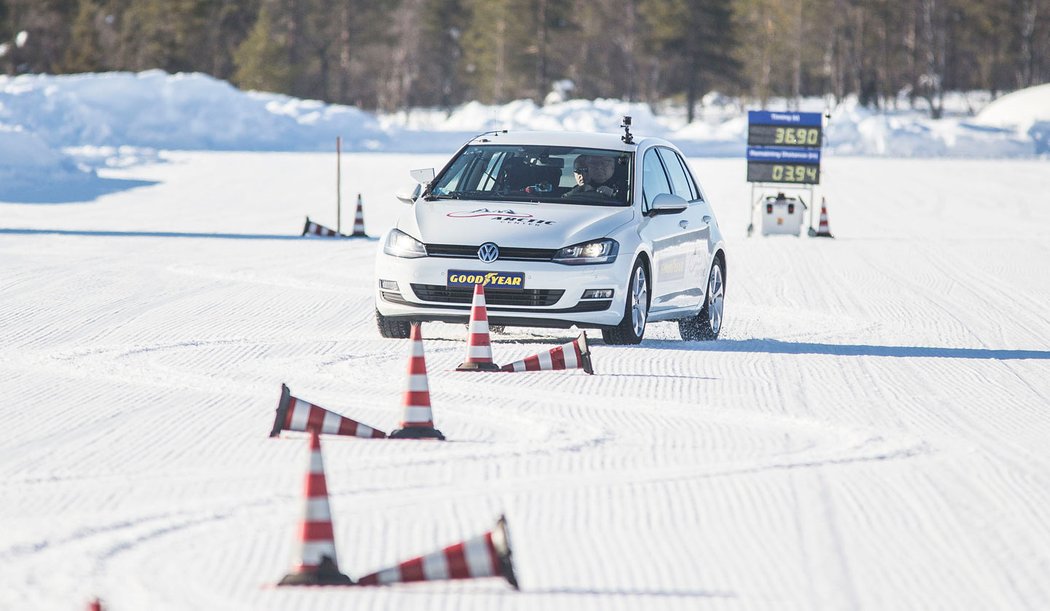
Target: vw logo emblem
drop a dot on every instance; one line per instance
(488, 252)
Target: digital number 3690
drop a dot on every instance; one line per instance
(808, 136)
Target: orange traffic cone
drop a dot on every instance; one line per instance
(418, 419)
(317, 565)
(313, 228)
(486, 555)
(479, 349)
(823, 231)
(359, 220)
(573, 355)
(294, 414)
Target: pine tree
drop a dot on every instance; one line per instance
(262, 59)
(83, 53)
(442, 23)
(694, 37)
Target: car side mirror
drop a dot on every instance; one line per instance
(409, 197)
(422, 178)
(668, 203)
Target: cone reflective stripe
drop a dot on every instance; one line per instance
(487, 555)
(479, 348)
(313, 228)
(359, 220)
(317, 563)
(823, 230)
(573, 355)
(294, 414)
(417, 420)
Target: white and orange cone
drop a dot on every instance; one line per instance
(294, 414)
(573, 355)
(486, 555)
(417, 421)
(359, 220)
(479, 348)
(823, 231)
(317, 229)
(317, 564)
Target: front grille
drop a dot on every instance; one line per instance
(455, 251)
(493, 297)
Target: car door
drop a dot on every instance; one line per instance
(667, 235)
(696, 232)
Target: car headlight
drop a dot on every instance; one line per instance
(586, 253)
(400, 244)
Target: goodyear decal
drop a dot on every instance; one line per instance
(499, 280)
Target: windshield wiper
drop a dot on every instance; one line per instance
(480, 195)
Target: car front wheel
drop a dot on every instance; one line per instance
(635, 310)
(391, 328)
(706, 325)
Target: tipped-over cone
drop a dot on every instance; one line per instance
(295, 414)
(487, 555)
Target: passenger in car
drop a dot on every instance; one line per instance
(595, 174)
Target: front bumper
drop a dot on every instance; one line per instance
(552, 295)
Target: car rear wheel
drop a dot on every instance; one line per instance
(635, 310)
(706, 325)
(393, 329)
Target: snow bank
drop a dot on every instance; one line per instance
(1026, 111)
(28, 165)
(180, 111)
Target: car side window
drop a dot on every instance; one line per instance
(683, 187)
(692, 179)
(654, 178)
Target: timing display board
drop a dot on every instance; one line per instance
(787, 165)
(784, 147)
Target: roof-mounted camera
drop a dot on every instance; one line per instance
(626, 125)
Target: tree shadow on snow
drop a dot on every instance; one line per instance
(633, 592)
(77, 192)
(158, 234)
(773, 346)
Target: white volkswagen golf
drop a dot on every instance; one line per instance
(592, 230)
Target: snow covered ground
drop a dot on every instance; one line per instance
(870, 432)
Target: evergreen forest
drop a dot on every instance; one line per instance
(397, 54)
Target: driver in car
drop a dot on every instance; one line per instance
(594, 174)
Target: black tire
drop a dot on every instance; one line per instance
(635, 310)
(704, 326)
(391, 328)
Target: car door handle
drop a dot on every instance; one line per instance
(707, 219)
(683, 223)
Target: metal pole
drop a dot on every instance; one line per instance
(338, 185)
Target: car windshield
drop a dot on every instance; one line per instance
(551, 174)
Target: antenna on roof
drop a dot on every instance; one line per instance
(494, 132)
(626, 125)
